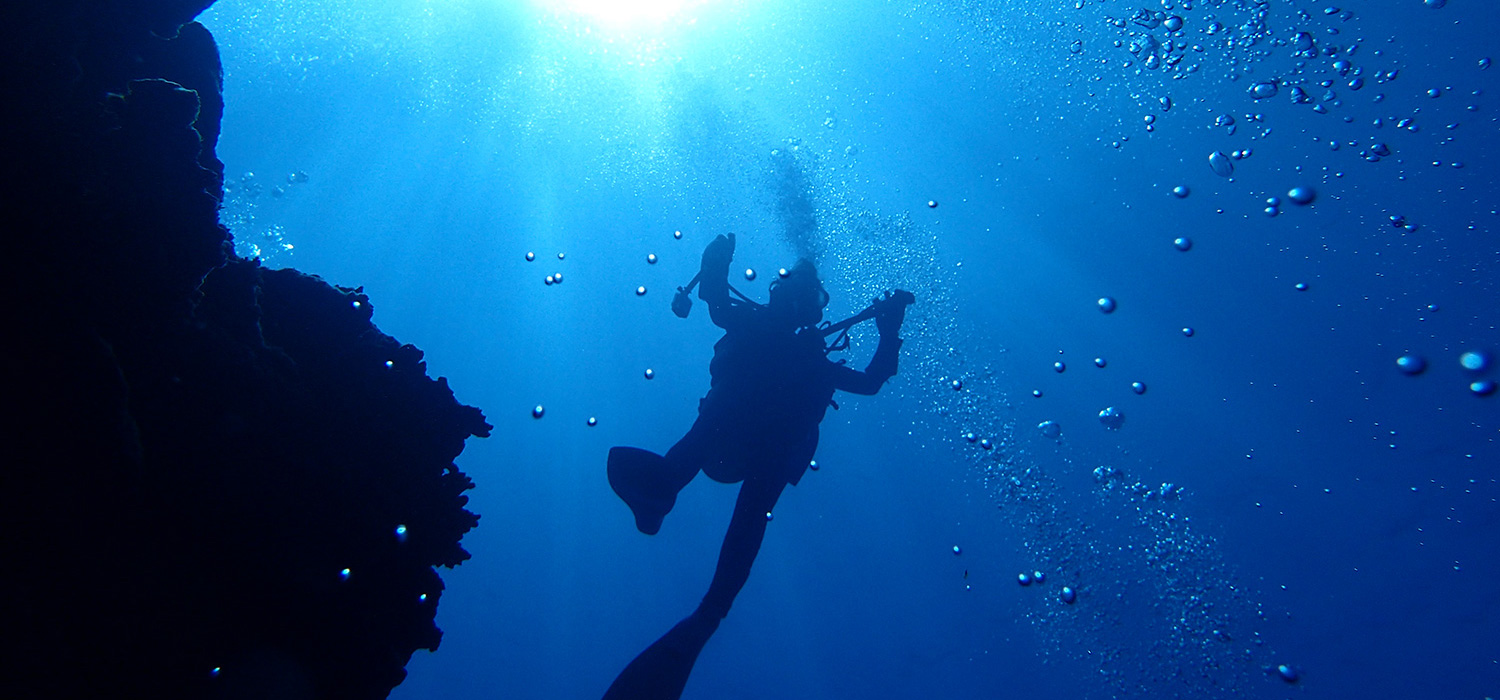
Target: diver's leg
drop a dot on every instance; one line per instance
(747, 528)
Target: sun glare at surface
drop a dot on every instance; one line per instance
(621, 12)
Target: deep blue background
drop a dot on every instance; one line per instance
(1337, 515)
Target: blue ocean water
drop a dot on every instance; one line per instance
(1280, 492)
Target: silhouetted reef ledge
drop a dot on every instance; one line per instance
(219, 480)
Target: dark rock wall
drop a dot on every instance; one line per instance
(200, 447)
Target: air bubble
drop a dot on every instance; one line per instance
(749, 275)
(530, 256)
(1302, 195)
(1068, 595)
(957, 384)
(1112, 418)
(1138, 387)
(640, 291)
(1221, 164)
(1183, 244)
(1474, 361)
(1100, 362)
(1411, 364)
(957, 551)
(1024, 579)
(1181, 191)
(651, 258)
(932, 204)
(1107, 304)
(538, 411)
(1059, 366)
(1049, 429)
(1187, 331)
(650, 373)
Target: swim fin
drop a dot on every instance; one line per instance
(643, 481)
(662, 670)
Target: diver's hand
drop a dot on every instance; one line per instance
(719, 252)
(889, 321)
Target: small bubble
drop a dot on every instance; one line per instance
(355, 304)
(1181, 191)
(1273, 211)
(1483, 387)
(1220, 164)
(957, 551)
(1287, 673)
(650, 373)
(970, 437)
(549, 281)
(651, 258)
(1302, 195)
(640, 291)
(389, 364)
(1107, 304)
(1411, 364)
(530, 256)
(400, 533)
(557, 278)
(813, 465)
(215, 671)
(1474, 361)
(538, 411)
(1435, 93)
(769, 516)
(1049, 429)
(1059, 367)
(422, 598)
(1037, 393)
(957, 384)
(1187, 331)
(1038, 576)
(1112, 418)
(1068, 595)
(984, 443)
(1183, 244)
(344, 574)
(1138, 387)
(932, 204)
(783, 273)
(1301, 286)
(749, 275)
(1100, 362)
(1264, 90)
(1024, 579)
(593, 421)
(677, 235)
(560, 256)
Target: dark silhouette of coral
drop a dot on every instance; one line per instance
(219, 480)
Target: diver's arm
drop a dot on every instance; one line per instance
(713, 281)
(881, 368)
(883, 365)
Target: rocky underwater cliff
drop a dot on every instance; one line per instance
(219, 480)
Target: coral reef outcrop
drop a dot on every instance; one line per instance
(219, 480)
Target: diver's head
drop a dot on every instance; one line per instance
(798, 296)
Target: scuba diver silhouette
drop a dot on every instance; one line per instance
(771, 384)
